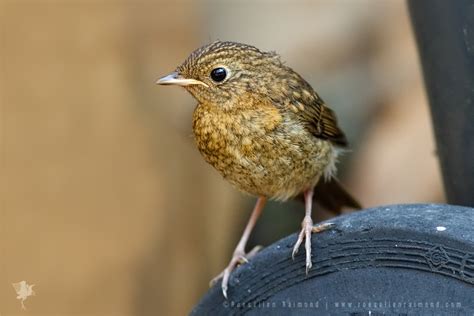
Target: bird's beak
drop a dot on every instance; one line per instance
(175, 78)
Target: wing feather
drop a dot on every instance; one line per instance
(299, 97)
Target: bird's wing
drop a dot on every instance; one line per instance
(322, 123)
(311, 110)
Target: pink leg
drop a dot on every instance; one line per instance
(239, 255)
(307, 229)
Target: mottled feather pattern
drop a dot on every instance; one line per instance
(300, 98)
(266, 131)
(263, 128)
(243, 147)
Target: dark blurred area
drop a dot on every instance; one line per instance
(107, 206)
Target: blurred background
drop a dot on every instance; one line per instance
(106, 205)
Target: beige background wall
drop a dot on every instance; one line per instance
(105, 203)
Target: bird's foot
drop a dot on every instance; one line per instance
(239, 257)
(305, 234)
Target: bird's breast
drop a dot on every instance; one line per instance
(260, 150)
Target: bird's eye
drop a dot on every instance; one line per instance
(218, 74)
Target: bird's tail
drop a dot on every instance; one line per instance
(333, 197)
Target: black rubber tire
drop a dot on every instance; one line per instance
(401, 259)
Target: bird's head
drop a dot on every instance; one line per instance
(222, 72)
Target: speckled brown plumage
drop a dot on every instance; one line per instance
(262, 126)
(259, 148)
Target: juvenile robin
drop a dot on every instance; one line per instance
(266, 131)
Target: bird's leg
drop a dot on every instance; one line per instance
(239, 255)
(307, 228)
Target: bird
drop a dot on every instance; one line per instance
(267, 132)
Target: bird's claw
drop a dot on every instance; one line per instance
(307, 229)
(239, 257)
(322, 227)
(242, 260)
